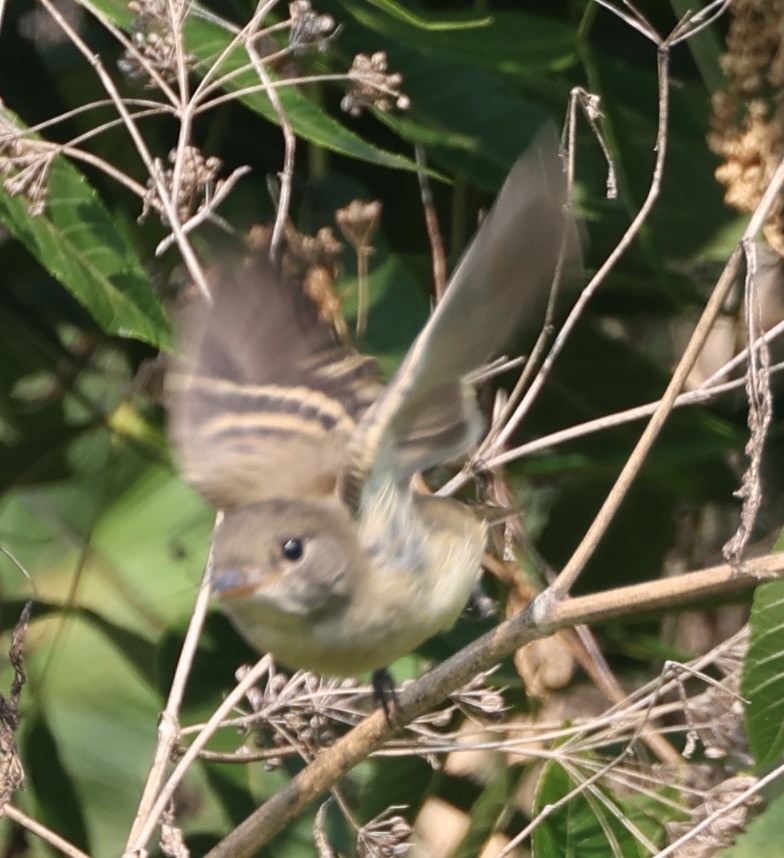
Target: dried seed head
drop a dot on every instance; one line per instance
(25, 162)
(314, 260)
(172, 840)
(722, 832)
(198, 182)
(386, 836)
(11, 771)
(308, 28)
(479, 698)
(358, 222)
(371, 86)
(320, 836)
(155, 34)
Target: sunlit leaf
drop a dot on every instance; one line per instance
(76, 241)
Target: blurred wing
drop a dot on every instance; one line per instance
(428, 414)
(261, 400)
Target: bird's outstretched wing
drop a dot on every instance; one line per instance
(261, 400)
(428, 414)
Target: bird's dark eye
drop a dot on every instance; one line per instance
(292, 549)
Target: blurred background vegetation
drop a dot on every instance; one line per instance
(114, 542)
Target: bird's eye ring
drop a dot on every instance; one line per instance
(292, 548)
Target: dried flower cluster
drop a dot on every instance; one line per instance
(715, 717)
(302, 711)
(373, 86)
(478, 699)
(197, 184)
(747, 127)
(386, 836)
(358, 221)
(308, 28)
(320, 254)
(314, 260)
(154, 37)
(25, 163)
(722, 831)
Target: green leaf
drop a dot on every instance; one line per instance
(46, 776)
(763, 675)
(473, 122)
(309, 121)
(594, 822)
(705, 46)
(136, 649)
(428, 21)
(512, 43)
(76, 241)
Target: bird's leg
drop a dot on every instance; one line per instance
(384, 694)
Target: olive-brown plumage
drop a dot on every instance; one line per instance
(324, 555)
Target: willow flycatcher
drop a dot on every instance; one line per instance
(325, 556)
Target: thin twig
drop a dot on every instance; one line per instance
(745, 354)
(634, 19)
(363, 297)
(712, 309)
(699, 20)
(273, 84)
(699, 396)
(178, 11)
(550, 809)
(289, 142)
(508, 417)
(560, 341)
(160, 81)
(168, 728)
(760, 412)
(620, 248)
(170, 209)
(60, 843)
(437, 253)
(207, 210)
(239, 38)
(147, 108)
(165, 795)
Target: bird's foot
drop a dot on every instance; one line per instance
(384, 695)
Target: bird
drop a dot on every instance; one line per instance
(324, 555)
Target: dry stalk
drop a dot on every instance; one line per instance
(437, 253)
(145, 829)
(46, 834)
(169, 727)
